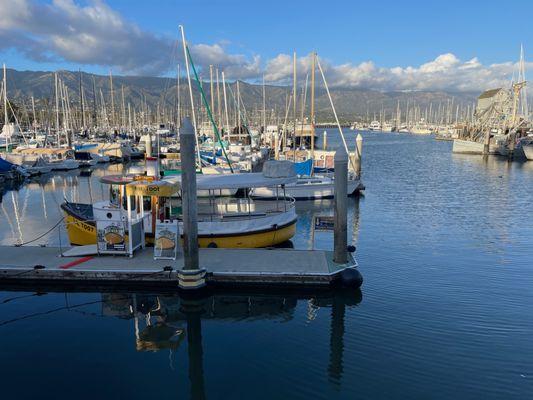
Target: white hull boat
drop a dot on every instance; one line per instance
(528, 150)
(315, 187)
(64, 165)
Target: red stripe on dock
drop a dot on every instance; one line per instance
(76, 262)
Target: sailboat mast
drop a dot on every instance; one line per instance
(264, 106)
(178, 100)
(294, 94)
(190, 91)
(33, 111)
(219, 108)
(313, 105)
(211, 88)
(5, 100)
(82, 108)
(5, 109)
(112, 100)
(123, 119)
(57, 108)
(238, 107)
(225, 102)
(95, 113)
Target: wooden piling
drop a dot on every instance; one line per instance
(340, 235)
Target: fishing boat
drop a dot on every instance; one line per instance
(527, 147)
(222, 222)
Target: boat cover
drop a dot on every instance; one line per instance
(304, 168)
(5, 166)
(236, 181)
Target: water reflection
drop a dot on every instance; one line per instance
(166, 322)
(308, 210)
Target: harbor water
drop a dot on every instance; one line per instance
(444, 245)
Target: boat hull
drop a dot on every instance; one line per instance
(81, 231)
(306, 192)
(528, 151)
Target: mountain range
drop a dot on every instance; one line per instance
(351, 104)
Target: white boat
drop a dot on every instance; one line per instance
(307, 188)
(38, 167)
(66, 164)
(374, 126)
(387, 127)
(527, 147)
(118, 151)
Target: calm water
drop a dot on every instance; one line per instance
(444, 245)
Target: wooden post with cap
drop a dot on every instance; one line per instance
(340, 232)
(191, 276)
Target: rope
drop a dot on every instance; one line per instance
(206, 104)
(39, 237)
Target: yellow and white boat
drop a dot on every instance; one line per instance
(222, 221)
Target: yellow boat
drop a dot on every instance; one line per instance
(222, 221)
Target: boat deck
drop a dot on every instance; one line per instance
(228, 267)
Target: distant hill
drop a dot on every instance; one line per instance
(350, 104)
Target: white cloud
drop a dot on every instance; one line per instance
(95, 34)
(446, 72)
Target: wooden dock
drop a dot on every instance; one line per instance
(225, 267)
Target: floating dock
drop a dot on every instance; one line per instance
(224, 267)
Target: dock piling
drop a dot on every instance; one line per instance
(340, 234)
(325, 141)
(358, 154)
(191, 276)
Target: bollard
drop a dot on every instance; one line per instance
(340, 233)
(325, 141)
(191, 276)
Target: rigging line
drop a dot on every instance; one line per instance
(44, 234)
(5, 301)
(244, 119)
(28, 316)
(335, 113)
(204, 100)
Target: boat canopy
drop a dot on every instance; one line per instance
(43, 150)
(163, 188)
(235, 181)
(275, 173)
(117, 179)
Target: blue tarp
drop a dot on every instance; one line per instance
(5, 166)
(304, 167)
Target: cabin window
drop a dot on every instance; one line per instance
(132, 202)
(147, 203)
(114, 195)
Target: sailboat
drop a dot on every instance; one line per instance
(310, 185)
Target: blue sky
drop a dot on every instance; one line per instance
(388, 32)
(461, 45)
